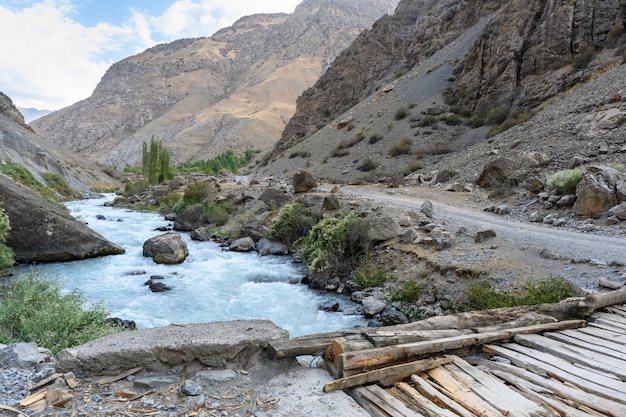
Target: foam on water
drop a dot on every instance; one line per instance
(211, 285)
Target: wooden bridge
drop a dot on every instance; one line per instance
(523, 363)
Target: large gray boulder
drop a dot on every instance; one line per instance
(24, 355)
(190, 219)
(44, 232)
(596, 192)
(168, 248)
(232, 344)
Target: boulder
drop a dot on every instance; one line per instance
(618, 211)
(234, 344)
(384, 228)
(274, 198)
(428, 209)
(244, 244)
(44, 232)
(510, 171)
(390, 317)
(270, 247)
(484, 234)
(191, 218)
(372, 306)
(24, 355)
(331, 202)
(594, 195)
(303, 181)
(168, 248)
(201, 234)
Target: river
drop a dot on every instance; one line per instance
(211, 285)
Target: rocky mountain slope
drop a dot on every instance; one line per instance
(436, 69)
(200, 97)
(21, 145)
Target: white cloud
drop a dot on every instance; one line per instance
(53, 61)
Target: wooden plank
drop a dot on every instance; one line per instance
(398, 371)
(615, 318)
(574, 354)
(588, 346)
(615, 310)
(114, 378)
(603, 405)
(606, 326)
(460, 392)
(378, 357)
(560, 369)
(367, 405)
(33, 398)
(604, 334)
(422, 404)
(619, 347)
(387, 402)
(438, 398)
(45, 381)
(502, 398)
(536, 392)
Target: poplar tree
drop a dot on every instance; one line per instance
(156, 162)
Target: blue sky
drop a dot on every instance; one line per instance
(54, 52)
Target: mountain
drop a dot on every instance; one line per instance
(200, 97)
(21, 145)
(31, 113)
(412, 94)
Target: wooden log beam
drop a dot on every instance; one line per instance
(375, 358)
(398, 371)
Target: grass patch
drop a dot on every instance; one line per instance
(565, 181)
(401, 113)
(482, 295)
(58, 184)
(34, 309)
(299, 154)
(375, 138)
(453, 120)
(427, 121)
(23, 176)
(408, 292)
(367, 165)
(515, 119)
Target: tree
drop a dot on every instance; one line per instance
(156, 162)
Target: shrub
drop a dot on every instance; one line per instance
(496, 115)
(583, 59)
(58, 184)
(476, 121)
(292, 223)
(34, 309)
(408, 292)
(565, 181)
(401, 113)
(218, 212)
(334, 245)
(367, 165)
(167, 203)
(401, 148)
(368, 279)
(427, 121)
(453, 120)
(137, 187)
(301, 154)
(374, 138)
(7, 258)
(515, 119)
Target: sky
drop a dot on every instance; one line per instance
(54, 52)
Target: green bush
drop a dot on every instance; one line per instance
(58, 184)
(496, 115)
(453, 120)
(408, 292)
(196, 193)
(293, 222)
(218, 212)
(227, 160)
(565, 181)
(515, 119)
(401, 148)
(168, 202)
(334, 245)
(137, 187)
(34, 309)
(367, 165)
(482, 295)
(427, 121)
(369, 279)
(7, 258)
(401, 113)
(374, 138)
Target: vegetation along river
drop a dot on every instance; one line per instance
(211, 285)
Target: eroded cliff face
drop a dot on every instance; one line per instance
(522, 57)
(200, 97)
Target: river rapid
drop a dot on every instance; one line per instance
(211, 285)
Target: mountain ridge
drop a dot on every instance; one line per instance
(200, 97)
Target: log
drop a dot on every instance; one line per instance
(375, 358)
(421, 403)
(114, 378)
(314, 345)
(346, 344)
(398, 371)
(387, 402)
